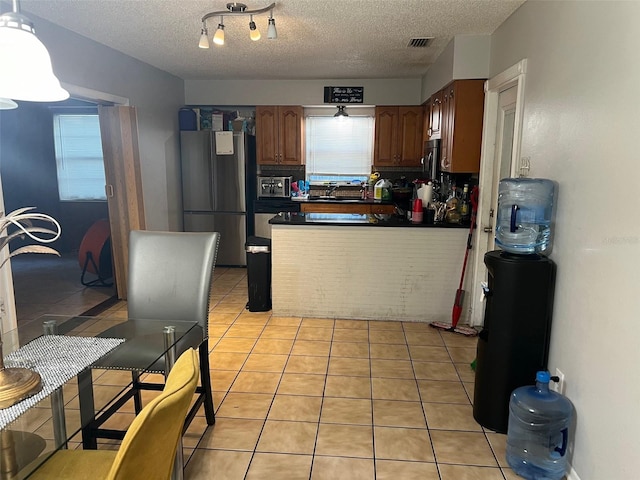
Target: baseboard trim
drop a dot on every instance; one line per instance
(572, 475)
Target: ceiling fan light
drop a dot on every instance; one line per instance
(272, 34)
(27, 73)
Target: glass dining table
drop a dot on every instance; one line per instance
(75, 361)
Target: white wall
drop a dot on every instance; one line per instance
(298, 92)
(157, 96)
(581, 125)
(465, 57)
(471, 56)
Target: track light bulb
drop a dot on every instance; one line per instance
(271, 31)
(204, 38)
(218, 38)
(254, 33)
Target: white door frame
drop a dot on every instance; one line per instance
(512, 76)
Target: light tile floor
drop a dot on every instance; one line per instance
(46, 284)
(316, 399)
(310, 398)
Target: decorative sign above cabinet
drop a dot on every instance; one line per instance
(343, 94)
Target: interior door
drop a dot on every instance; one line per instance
(503, 116)
(503, 159)
(119, 131)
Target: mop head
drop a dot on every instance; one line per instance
(466, 331)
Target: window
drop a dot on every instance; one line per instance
(339, 148)
(79, 157)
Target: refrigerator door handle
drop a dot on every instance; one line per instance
(213, 172)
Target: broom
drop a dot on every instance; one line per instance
(457, 304)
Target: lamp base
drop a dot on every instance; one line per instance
(16, 384)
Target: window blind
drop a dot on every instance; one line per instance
(79, 161)
(339, 145)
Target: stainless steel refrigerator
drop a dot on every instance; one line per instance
(218, 188)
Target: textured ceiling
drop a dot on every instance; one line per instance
(316, 38)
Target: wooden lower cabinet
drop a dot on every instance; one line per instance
(358, 208)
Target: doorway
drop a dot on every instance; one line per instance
(501, 138)
(35, 274)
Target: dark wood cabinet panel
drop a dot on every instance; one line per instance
(280, 135)
(455, 118)
(461, 126)
(398, 135)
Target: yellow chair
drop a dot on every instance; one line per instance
(149, 447)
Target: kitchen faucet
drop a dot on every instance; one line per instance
(330, 190)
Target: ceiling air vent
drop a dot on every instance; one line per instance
(419, 42)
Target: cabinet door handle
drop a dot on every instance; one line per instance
(488, 229)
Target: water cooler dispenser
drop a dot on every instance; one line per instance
(514, 342)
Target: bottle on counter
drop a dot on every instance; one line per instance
(452, 214)
(464, 205)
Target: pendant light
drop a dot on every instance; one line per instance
(26, 73)
(7, 104)
(341, 112)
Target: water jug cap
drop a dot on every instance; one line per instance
(543, 376)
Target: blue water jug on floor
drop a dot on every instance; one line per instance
(538, 432)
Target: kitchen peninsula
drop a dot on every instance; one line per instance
(356, 266)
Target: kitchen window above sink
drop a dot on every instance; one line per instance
(338, 149)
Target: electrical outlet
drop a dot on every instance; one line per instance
(559, 385)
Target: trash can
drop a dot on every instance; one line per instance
(259, 273)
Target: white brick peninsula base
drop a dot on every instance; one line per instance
(367, 272)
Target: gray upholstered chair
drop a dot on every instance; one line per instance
(170, 276)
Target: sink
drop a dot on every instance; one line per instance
(331, 198)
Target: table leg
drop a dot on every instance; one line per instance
(87, 409)
(50, 327)
(169, 361)
(8, 459)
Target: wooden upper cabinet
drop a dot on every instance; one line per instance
(411, 124)
(291, 135)
(435, 116)
(398, 136)
(267, 135)
(461, 126)
(280, 135)
(386, 136)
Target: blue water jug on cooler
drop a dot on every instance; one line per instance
(538, 432)
(525, 208)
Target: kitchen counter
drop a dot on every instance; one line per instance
(353, 219)
(343, 266)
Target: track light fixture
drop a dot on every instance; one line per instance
(237, 9)
(26, 65)
(341, 112)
